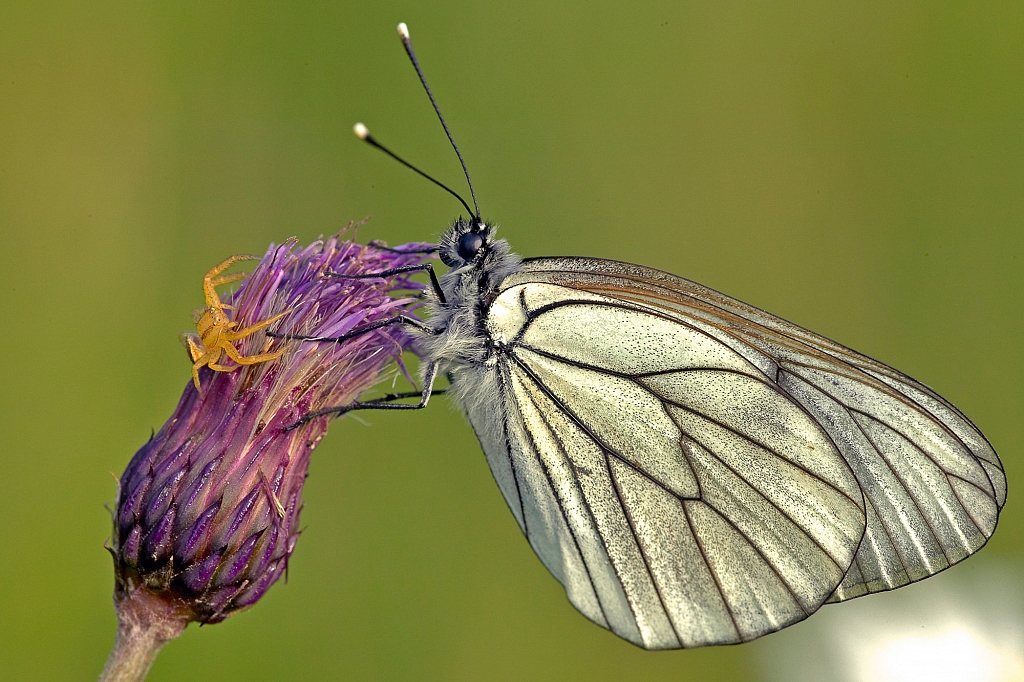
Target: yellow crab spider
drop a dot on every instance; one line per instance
(215, 330)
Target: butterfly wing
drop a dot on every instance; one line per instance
(696, 471)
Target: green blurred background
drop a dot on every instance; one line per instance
(855, 167)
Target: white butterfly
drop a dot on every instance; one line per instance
(692, 469)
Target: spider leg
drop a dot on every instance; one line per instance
(209, 287)
(203, 360)
(233, 353)
(225, 279)
(227, 263)
(241, 333)
(212, 356)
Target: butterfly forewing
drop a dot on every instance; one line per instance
(681, 496)
(903, 478)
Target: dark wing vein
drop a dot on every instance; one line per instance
(561, 509)
(643, 555)
(711, 571)
(741, 321)
(765, 559)
(532, 315)
(625, 375)
(959, 499)
(575, 418)
(770, 384)
(888, 534)
(910, 494)
(762, 445)
(502, 387)
(919, 450)
(840, 356)
(609, 451)
(765, 498)
(604, 447)
(974, 485)
(881, 453)
(901, 397)
(916, 385)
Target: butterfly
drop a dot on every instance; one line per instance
(692, 469)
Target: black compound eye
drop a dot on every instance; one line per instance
(469, 245)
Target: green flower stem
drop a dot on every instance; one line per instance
(145, 622)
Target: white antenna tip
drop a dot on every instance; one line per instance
(361, 131)
(403, 31)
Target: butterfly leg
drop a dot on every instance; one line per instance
(383, 247)
(434, 284)
(401, 319)
(391, 397)
(384, 403)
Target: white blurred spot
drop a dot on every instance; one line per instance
(965, 625)
(956, 656)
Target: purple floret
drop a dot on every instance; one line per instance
(208, 509)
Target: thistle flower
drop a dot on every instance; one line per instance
(207, 511)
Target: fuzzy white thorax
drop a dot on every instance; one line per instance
(462, 347)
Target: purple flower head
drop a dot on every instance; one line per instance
(208, 510)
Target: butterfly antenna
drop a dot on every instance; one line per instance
(403, 33)
(363, 133)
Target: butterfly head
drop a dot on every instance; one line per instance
(466, 242)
